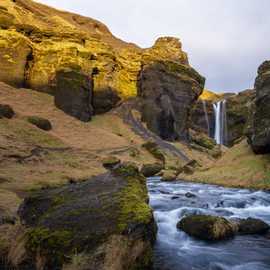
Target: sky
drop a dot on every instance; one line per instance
(226, 40)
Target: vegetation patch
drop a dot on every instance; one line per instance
(51, 244)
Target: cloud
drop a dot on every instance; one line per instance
(226, 39)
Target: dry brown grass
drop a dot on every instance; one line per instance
(238, 167)
(72, 150)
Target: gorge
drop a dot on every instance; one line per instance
(88, 122)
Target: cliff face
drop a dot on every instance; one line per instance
(37, 41)
(259, 137)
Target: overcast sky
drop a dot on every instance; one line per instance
(226, 40)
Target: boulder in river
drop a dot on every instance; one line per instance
(250, 226)
(190, 195)
(205, 227)
(149, 170)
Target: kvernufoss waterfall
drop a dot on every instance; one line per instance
(220, 134)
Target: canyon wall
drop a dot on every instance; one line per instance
(259, 136)
(36, 42)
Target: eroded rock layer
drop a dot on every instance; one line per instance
(37, 41)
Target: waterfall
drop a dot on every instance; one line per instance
(206, 117)
(220, 122)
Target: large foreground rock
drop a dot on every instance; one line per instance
(206, 227)
(260, 135)
(105, 221)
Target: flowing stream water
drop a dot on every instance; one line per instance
(175, 250)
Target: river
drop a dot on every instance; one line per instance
(175, 250)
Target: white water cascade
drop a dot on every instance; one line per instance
(220, 122)
(206, 117)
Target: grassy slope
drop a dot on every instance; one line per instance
(239, 167)
(73, 150)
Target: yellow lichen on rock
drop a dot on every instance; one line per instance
(209, 95)
(14, 49)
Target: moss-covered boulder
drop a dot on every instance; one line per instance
(87, 219)
(206, 227)
(259, 137)
(149, 170)
(40, 122)
(250, 226)
(6, 111)
(73, 93)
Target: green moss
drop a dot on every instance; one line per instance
(204, 141)
(127, 170)
(53, 244)
(133, 203)
(185, 71)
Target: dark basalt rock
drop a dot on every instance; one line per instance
(89, 218)
(40, 122)
(6, 111)
(149, 170)
(190, 195)
(204, 227)
(104, 100)
(168, 90)
(259, 137)
(251, 226)
(73, 93)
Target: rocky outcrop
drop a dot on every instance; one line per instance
(15, 49)
(73, 93)
(259, 136)
(53, 40)
(168, 91)
(239, 115)
(87, 219)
